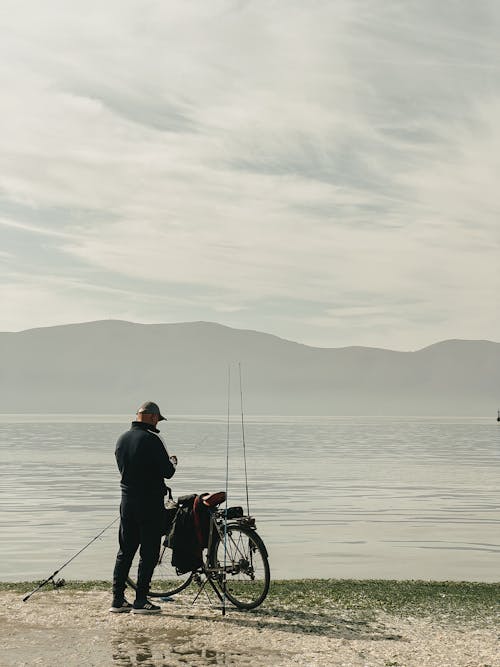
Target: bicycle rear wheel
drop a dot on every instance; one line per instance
(165, 580)
(246, 566)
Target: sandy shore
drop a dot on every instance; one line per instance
(74, 628)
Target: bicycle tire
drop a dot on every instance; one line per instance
(165, 581)
(247, 566)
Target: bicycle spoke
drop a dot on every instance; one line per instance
(247, 568)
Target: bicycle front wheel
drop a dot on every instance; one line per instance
(165, 580)
(245, 563)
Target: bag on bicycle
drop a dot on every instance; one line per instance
(183, 537)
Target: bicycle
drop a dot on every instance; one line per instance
(235, 563)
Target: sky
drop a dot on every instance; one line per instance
(325, 171)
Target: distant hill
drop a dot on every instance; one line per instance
(112, 366)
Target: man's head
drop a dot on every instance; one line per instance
(149, 413)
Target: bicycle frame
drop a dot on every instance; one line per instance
(234, 562)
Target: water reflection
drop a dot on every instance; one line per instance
(139, 649)
(134, 650)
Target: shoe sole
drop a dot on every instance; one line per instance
(146, 611)
(115, 610)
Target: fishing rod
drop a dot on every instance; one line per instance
(224, 576)
(243, 439)
(60, 582)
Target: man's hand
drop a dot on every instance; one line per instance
(173, 460)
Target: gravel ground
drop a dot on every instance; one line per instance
(74, 628)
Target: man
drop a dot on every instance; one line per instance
(144, 463)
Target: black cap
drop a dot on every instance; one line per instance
(151, 408)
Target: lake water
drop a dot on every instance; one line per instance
(333, 497)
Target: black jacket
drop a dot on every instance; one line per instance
(143, 462)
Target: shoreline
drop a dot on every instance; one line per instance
(302, 622)
(391, 594)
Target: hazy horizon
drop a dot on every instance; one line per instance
(94, 367)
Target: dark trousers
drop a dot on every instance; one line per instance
(140, 526)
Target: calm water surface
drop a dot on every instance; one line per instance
(333, 497)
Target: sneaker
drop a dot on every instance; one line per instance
(120, 607)
(145, 607)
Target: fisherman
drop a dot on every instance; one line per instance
(144, 463)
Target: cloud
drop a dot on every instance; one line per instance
(235, 155)
(26, 227)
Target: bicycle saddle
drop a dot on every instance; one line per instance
(213, 499)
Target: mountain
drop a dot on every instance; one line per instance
(113, 366)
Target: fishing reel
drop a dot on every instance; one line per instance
(58, 583)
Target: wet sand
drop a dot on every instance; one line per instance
(74, 628)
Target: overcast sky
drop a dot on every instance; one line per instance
(324, 171)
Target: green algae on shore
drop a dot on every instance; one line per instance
(396, 597)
